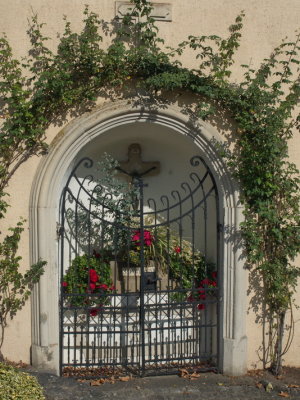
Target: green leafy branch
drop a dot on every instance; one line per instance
(15, 287)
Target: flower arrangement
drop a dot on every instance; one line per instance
(200, 294)
(187, 267)
(88, 276)
(133, 255)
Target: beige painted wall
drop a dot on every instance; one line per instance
(266, 23)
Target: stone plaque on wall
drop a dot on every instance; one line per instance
(160, 11)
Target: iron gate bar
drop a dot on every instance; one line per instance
(207, 195)
(153, 326)
(192, 175)
(141, 186)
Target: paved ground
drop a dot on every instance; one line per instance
(208, 386)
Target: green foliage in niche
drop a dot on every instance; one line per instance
(46, 85)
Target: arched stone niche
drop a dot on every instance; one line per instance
(44, 215)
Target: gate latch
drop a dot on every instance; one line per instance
(150, 280)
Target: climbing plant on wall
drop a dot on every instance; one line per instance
(46, 85)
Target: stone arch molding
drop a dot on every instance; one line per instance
(44, 207)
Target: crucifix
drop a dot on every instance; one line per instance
(135, 169)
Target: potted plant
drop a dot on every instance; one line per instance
(87, 283)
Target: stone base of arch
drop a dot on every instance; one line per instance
(44, 208)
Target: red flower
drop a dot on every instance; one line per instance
(96, 254)
(95, 311)
(204, 282)
(208, 282)
(102, 286)
(202, 293)
(64, 284)
(136, 236)
(177, 249)
(201, 306)
(92, 286)
(148, 238)
(93, 276)
(112, 288)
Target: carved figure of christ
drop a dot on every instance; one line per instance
(134, 167)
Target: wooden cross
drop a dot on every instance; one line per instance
(134, 167)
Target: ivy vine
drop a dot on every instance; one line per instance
(45, 86)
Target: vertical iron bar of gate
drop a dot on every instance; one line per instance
(142, 279)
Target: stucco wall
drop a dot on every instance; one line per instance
(266, 23)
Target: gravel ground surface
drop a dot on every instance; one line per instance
(208, 386)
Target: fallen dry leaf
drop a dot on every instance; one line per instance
(283, 394)
(125, 378)
(97, 382)
(183, 372)
(18, 364)
(259, 385)
(194, 375)
(294, 386)
(220, 384)
(255, 372)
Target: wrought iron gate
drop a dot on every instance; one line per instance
(139, 288)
